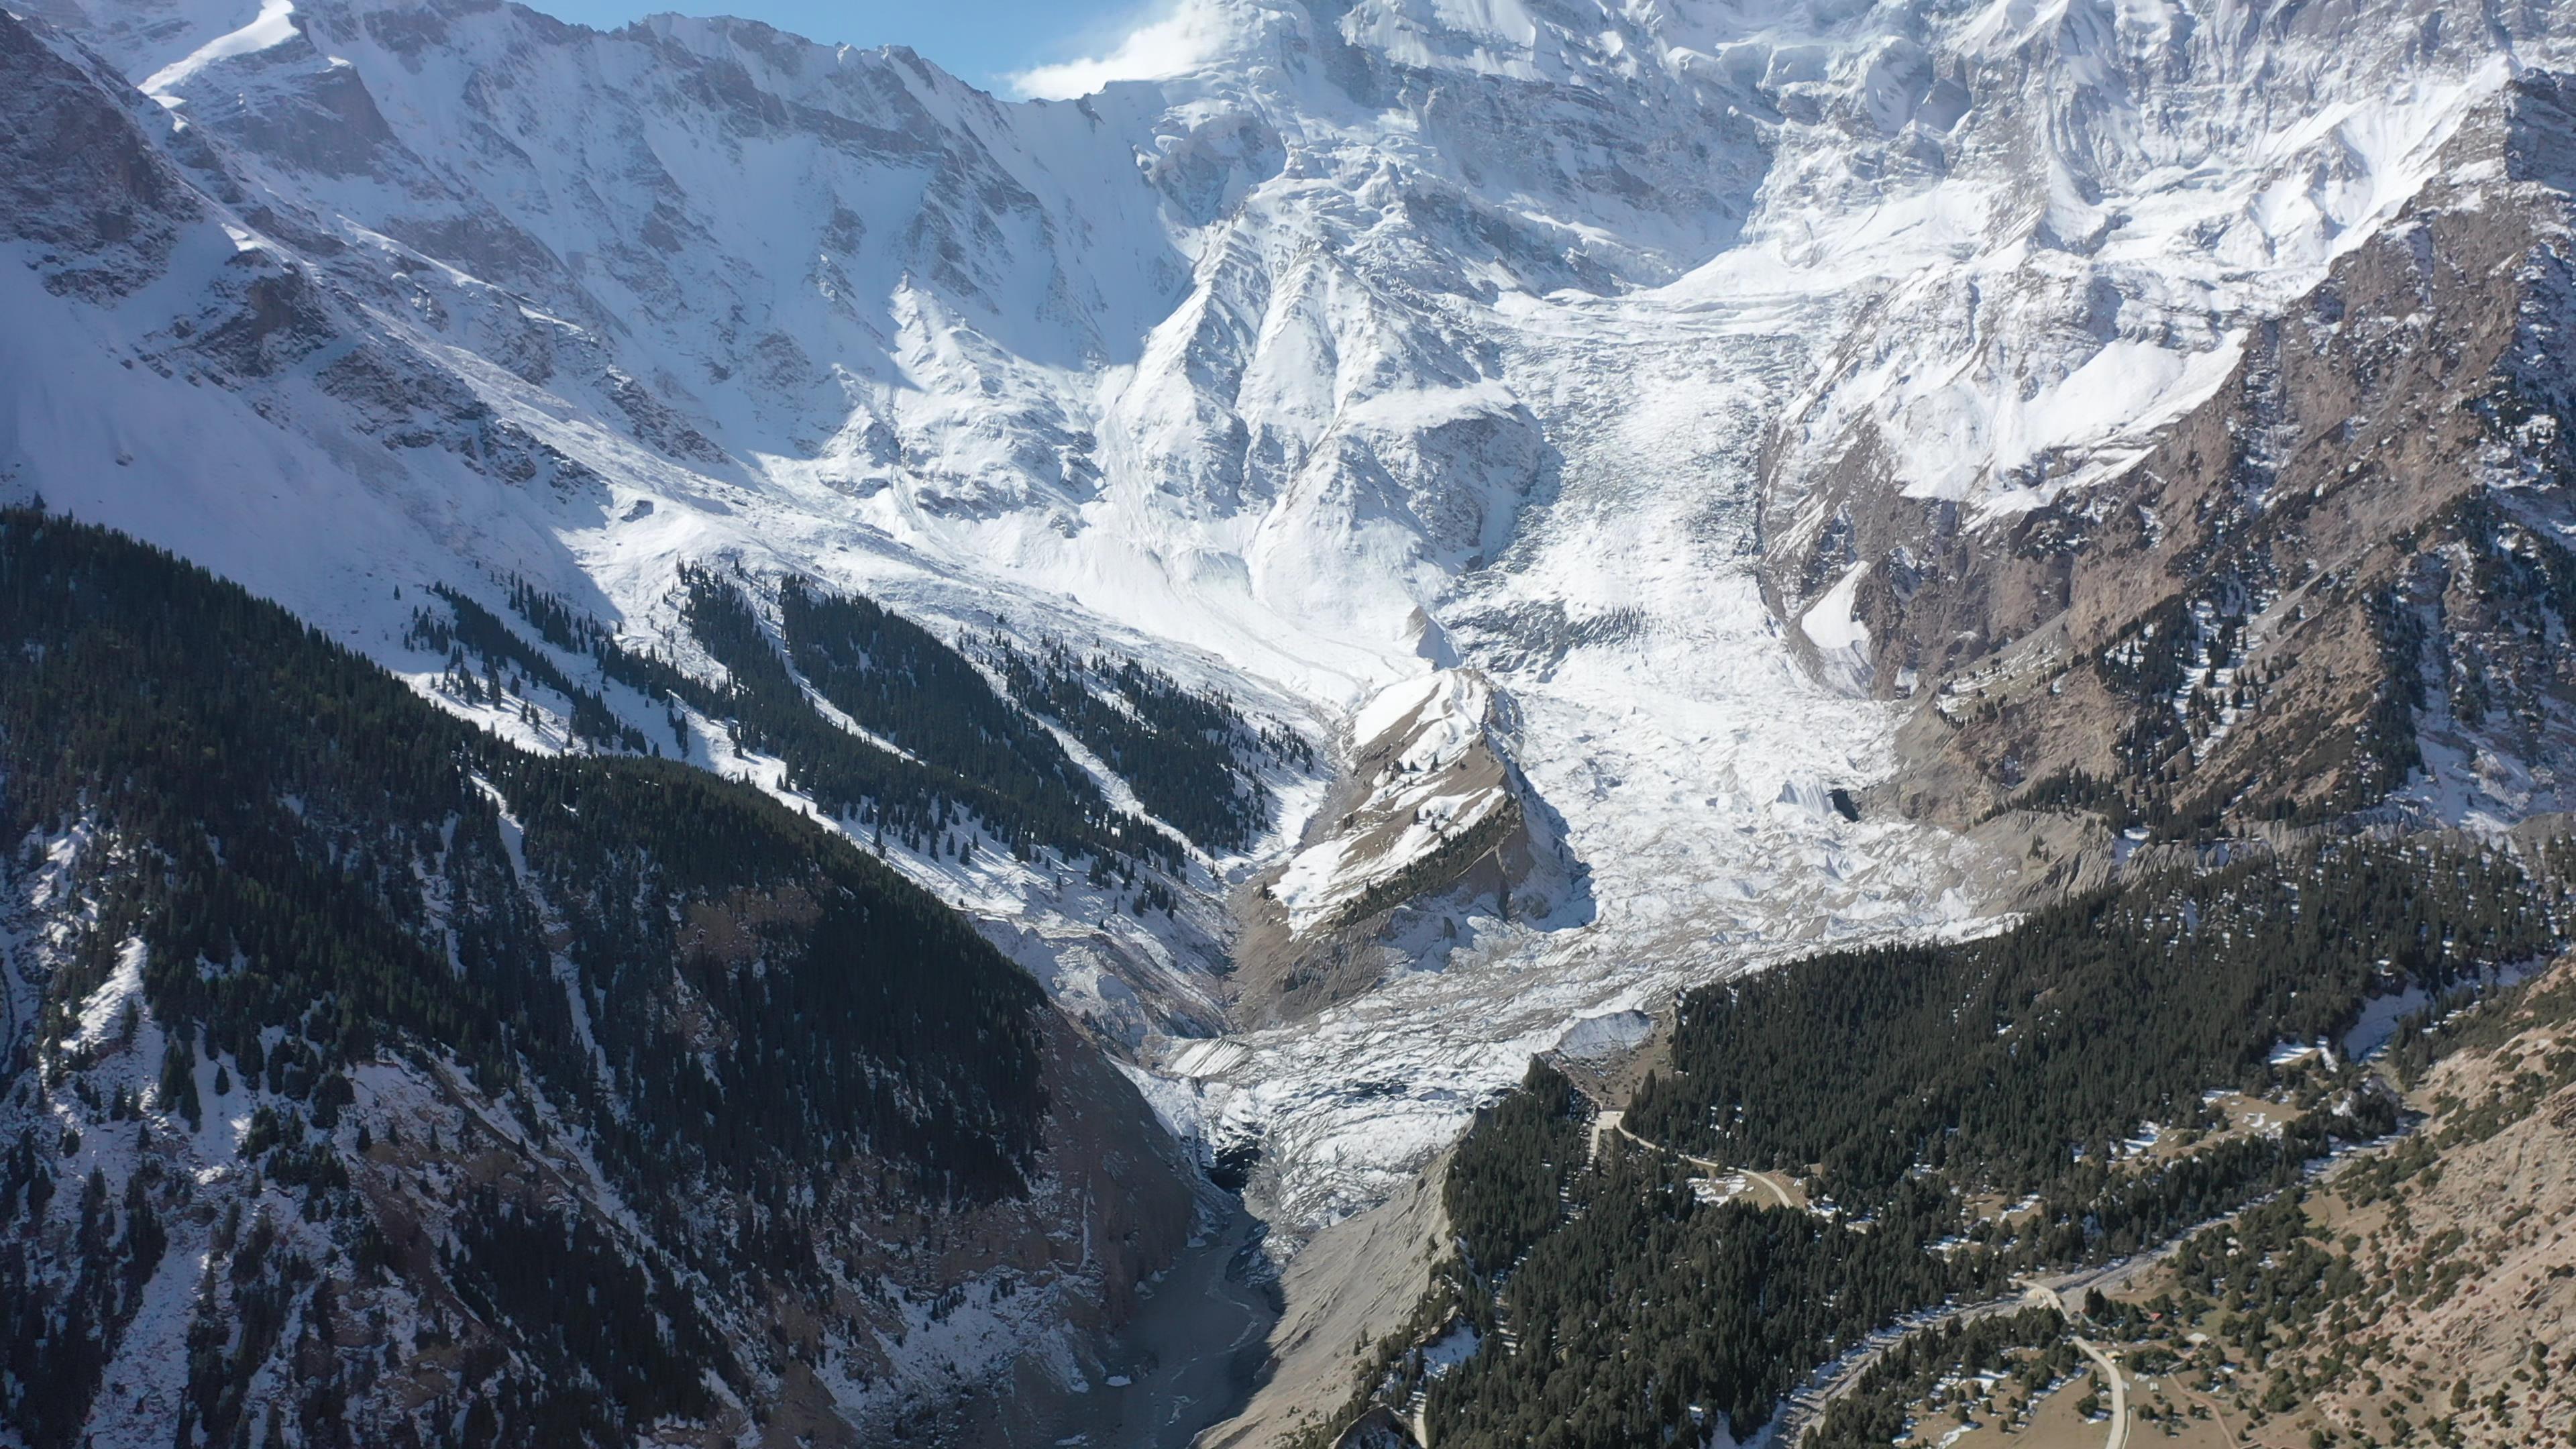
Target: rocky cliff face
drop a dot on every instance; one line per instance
(1795, 414)
(2331, 588)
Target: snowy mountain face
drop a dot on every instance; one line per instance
(1788, 419)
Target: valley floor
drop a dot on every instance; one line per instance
(1190, 1357)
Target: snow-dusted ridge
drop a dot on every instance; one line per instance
(1376, 339)
(1434, 792)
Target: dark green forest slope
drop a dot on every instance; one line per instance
(2005, 1058)
(1956, 1113)
(562, 1078)
(972, 762)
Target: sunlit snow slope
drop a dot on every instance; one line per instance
(1494, 335)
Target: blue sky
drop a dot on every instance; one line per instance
(988, 42)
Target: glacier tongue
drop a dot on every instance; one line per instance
(1502, 340)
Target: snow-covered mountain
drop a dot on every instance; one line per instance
(1739, 397)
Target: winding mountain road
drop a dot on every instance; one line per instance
(2042, 1292)
(1608, 1122)
(2119, 1394)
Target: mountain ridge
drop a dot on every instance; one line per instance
(462, 1095)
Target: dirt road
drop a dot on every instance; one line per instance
(2119, 1394)
(1609, 1122)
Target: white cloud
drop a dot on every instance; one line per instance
(1185, 35)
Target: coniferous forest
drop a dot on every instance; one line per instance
(2010, 1060)
(971, 765)
(1191, 757)
(1917, 1092)
(972, 756)
(757, 1032)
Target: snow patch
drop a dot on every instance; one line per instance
(274, 26)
